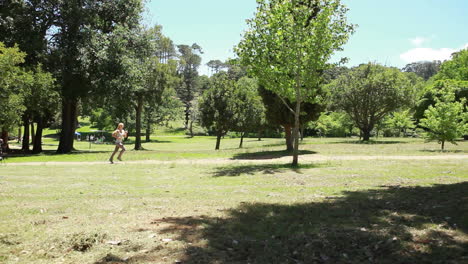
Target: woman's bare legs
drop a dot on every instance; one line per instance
(117, 147)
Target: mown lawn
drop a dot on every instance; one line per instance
(382, 211)
(176, 147)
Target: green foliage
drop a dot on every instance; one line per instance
(334, 124)
(250, 112)
(447, 120)
(370, 92)
(288, 45)
(456, 68)
(14, 81)
(218, 107)
(453, 73)
(401, 122)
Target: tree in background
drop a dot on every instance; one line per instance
(455, 69)
(288, 45)
(424, 69)
(169, 108)
(218, 106)
(216, 66)
(333, 124)
(447, 120)
(250, 110)
(13, 80)
(401, 122)
(42, 104)
(189, 61)
(278, 114)
(370, 92)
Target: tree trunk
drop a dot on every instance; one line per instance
(148, 126)
(241, 140)
(366, 134)
(191, 128)
(67, 134)
(443, 144)
(33, 134)
(187, 115)
(148, 130)
(25, 145)
(296, 131)
(4, 136)
(259, 135)
(218, 139)
(139, 109)
(289, 138)
(37, 145)
(19, 134)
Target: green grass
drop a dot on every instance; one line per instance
(383, 211)
(181, 147)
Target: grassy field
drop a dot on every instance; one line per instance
(175, 147)
(342, 211)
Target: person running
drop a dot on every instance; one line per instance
(119, 134)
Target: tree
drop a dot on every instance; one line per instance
(447, 120)
(401, 121)
(288, 45)
(334, 124)
(278, 114)
(218, 106)
(369, 92)
(168, 109)
(13, 80)
(216, 66)
(455, 70)
(250, 109)
(424, 69)
(76, 24)
(189, 61)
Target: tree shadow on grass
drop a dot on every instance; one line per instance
(263, 155)
(233, 171)
(389, 225)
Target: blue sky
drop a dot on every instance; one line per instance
(393, 32)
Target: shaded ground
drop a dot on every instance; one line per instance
(389, 225)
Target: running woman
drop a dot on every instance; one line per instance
(119, 134)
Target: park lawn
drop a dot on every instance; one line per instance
(180, 147)
(384, 211)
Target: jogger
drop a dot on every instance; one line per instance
(119, 134)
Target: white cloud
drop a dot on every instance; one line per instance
(428, 54)
(418, 41)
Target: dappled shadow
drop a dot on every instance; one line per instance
(370, 142)
(262, 155)
(389, 225)
(233, 171)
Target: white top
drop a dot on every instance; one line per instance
(120, 136)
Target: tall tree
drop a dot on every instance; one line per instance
(288, 45)
(77, 23)
(189, 61)
(250, 109)
(370, 92)
(218, 106)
